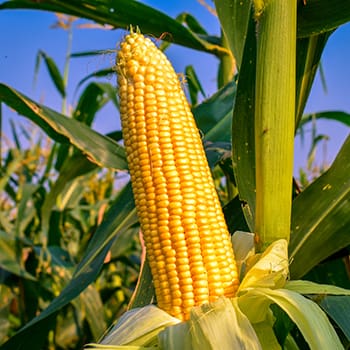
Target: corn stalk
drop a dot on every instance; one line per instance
(274, 118)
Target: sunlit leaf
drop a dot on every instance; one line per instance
(122, 14)
(98, 148)
(191, 22)
(321, 229)
(106, 72)
(234, 19)
(339, 116)
(53, 70)
(309, 51)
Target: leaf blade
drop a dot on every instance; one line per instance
(321, 230)
(98, 148)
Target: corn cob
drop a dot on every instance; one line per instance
(187, 242)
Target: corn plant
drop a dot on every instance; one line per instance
(279, 233)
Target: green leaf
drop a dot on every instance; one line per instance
(9, 259)
(320, 217)
(10, 166)
(123, 14)
(339, 116)
(92, 53)
(243, 140)
(97, 74)
(227, 66)
(54, 72)
(144, 292)
(309, 51)
(93, 306)
(7, 297)
(73, 167)
(338, 308)
(234, 216)
(319, 16)
(217, 152)
(234, 19)
(26, 210)
(98, 148)
(331, 271)
(213, 116)
(93, 98)
(120, 217)
(194, 84)
(191, 22)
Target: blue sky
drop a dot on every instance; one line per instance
(24, 33)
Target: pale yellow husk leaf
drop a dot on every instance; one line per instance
(139, 327)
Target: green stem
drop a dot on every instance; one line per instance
(274, 119)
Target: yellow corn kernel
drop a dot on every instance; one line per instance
(186, 238)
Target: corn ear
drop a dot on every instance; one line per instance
(188, 245)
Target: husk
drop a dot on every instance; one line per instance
(139, 327)
(243, 322)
